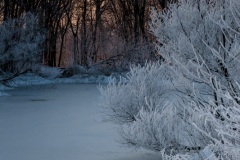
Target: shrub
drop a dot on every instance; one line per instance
(186, 104)
(20, 45)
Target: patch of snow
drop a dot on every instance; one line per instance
(3, 94)
(50, 72)
(206, 153)
(33, 79)
(85, 79)
(3, 88)
(28, 79)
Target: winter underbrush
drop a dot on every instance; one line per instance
(150, 110)
(188, 106)
(153, 114)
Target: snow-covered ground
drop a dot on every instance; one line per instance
(33, 79)
(30, 79)
(59, 122)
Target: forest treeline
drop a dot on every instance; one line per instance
(86, 32)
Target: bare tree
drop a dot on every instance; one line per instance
(93, 24)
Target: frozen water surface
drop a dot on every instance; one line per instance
(59, 122)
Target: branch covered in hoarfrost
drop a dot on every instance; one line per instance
(20, 46)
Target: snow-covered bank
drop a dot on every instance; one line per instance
(3, 94)
(33, 79)
(59, 122)
(3, 89)
(30, 79)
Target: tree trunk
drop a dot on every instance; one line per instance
(6, 10)
(61, 50)
(84, 59)
(97, 21)
(75, 49)
(136, 21)
(142, 18)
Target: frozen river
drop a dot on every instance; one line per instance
(59, 122)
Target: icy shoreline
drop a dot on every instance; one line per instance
(31, 79)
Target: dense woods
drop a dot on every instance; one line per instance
(86, 32)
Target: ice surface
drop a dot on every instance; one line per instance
(59, 122)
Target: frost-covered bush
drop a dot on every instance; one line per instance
(20, 44)
(201, 39)
(50, 72)
(127, 97)
(226, 121)
(137, 53)
(200, 43)
(146, 105)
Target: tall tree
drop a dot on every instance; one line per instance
(53, 12)
(84, 59)
(93, 25)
